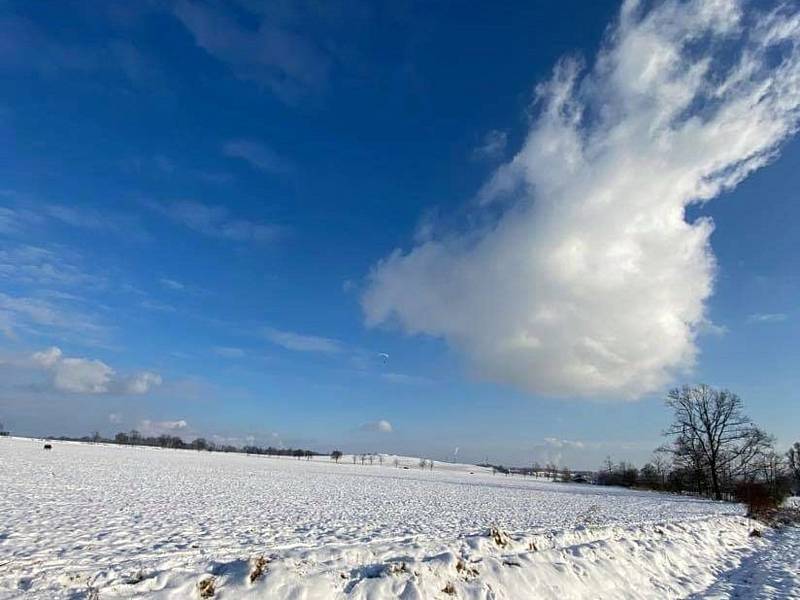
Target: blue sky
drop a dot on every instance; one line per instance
(217, 219)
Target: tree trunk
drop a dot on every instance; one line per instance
(715, 483)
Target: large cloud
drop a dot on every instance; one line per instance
(579, 273)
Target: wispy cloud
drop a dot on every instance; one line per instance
(287, 63)
(559, 443)
(580, 275)
(172, 284)
(24, 214)
(24, 46)
(493, 145)
(216, 221)
(405, 379)
(84, 218)
(35, 265)
(150, 304)
(39, 316)
(228, 352)
(381, 426)
(299, 342)
(257, 155)
(13, 219)
(766, 318)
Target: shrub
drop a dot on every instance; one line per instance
(757, 497)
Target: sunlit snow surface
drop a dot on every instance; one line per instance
(101, 516)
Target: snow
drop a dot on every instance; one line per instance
(772, 572)
(127, 522)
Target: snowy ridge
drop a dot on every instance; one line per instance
(668, 560)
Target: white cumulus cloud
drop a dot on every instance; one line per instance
(82, 376)
(150, 428)
(141, 383)
(90, 376)
(48, 357)
(579, 273)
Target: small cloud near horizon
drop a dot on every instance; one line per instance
(90, 376)
(150, 428)
(380, 426)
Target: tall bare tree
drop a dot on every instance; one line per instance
(661, 465)
(711, 435)
(793, 458)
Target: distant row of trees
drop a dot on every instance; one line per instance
(135, 438)
(714, 450)
(336, 456)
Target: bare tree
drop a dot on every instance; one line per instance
(711, 435)
(661, 465)
(336, 455)
(773, 469)
(396, 462)
(793, 460)
(380, 459)
(423, 463)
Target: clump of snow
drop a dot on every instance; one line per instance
(144, 522)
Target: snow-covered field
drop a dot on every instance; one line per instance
(119, 522)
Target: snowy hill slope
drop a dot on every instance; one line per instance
(141, 522)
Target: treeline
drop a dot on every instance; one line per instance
(714, 450)
(134, 438)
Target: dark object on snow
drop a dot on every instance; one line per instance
(205, 587)
(259, 566)
(48, 447)
(755, 533)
